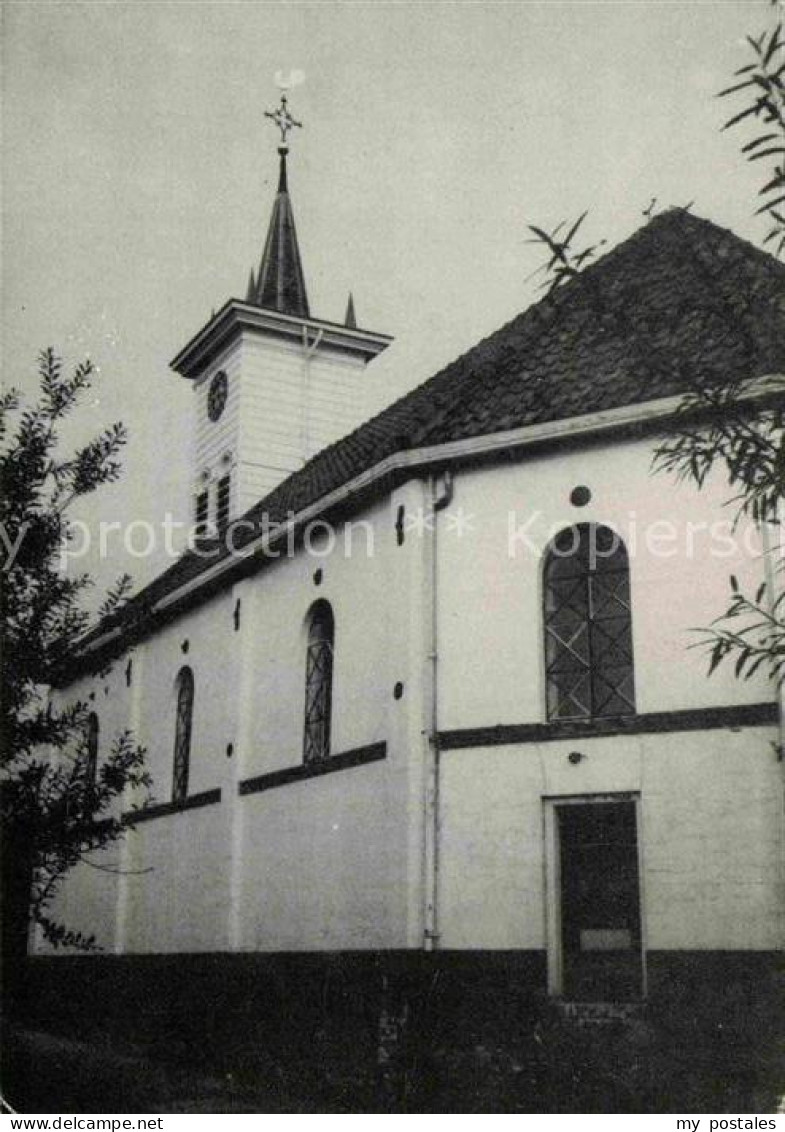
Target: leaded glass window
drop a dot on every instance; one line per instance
(201, 513)
(588, 625)
(182, 734)
(222, 502)
(318, 683)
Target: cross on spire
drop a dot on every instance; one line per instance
(283, 120)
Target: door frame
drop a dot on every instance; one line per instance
(552, 866)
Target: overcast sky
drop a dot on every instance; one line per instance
(139, 173)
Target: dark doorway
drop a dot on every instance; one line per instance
(600, 902)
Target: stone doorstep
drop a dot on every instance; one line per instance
(599, 1013)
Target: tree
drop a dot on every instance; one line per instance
(720, 428)
(57, 805)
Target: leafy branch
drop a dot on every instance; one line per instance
(718, 426)
(763, 84)
(565, 261)
(757, 643)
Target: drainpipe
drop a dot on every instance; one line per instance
(309, 349)
(773, 548)
(129, 849)
(439, 496)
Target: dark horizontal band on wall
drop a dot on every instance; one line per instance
(691, 719)
(192, 802)
(358, 757)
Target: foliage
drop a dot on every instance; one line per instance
(565, 261)
(56, 806)
(763, 84)
(747, 439)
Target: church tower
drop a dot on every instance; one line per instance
(272, 384)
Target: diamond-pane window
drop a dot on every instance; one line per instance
(588, 625)
(182, 734)
(318, 683)
(222, 502)
(201, 513)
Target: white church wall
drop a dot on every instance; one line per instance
(490, 591)
(324, 861)
(337, 393)
(177, 892)
(710, 836)
(270, 444)
(171, 890)
(291, 408)
(204, 641)
(317, 864)
(86, 903)
(276, 604)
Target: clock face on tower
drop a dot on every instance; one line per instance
(216, 396)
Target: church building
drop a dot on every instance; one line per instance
(420, 697)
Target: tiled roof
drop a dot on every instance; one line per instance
(679, 301)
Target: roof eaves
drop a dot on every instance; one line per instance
(235, 314)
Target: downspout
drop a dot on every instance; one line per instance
(439, 496)
(771, 549)
(309, 349)
(137, 658)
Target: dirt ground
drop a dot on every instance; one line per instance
(45, 1073)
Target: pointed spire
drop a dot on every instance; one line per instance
(351, 319)
(280, 283)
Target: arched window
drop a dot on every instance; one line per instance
(91, 768)
(223, 498)
(318, 683)
(588, 625)
(182, 734)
